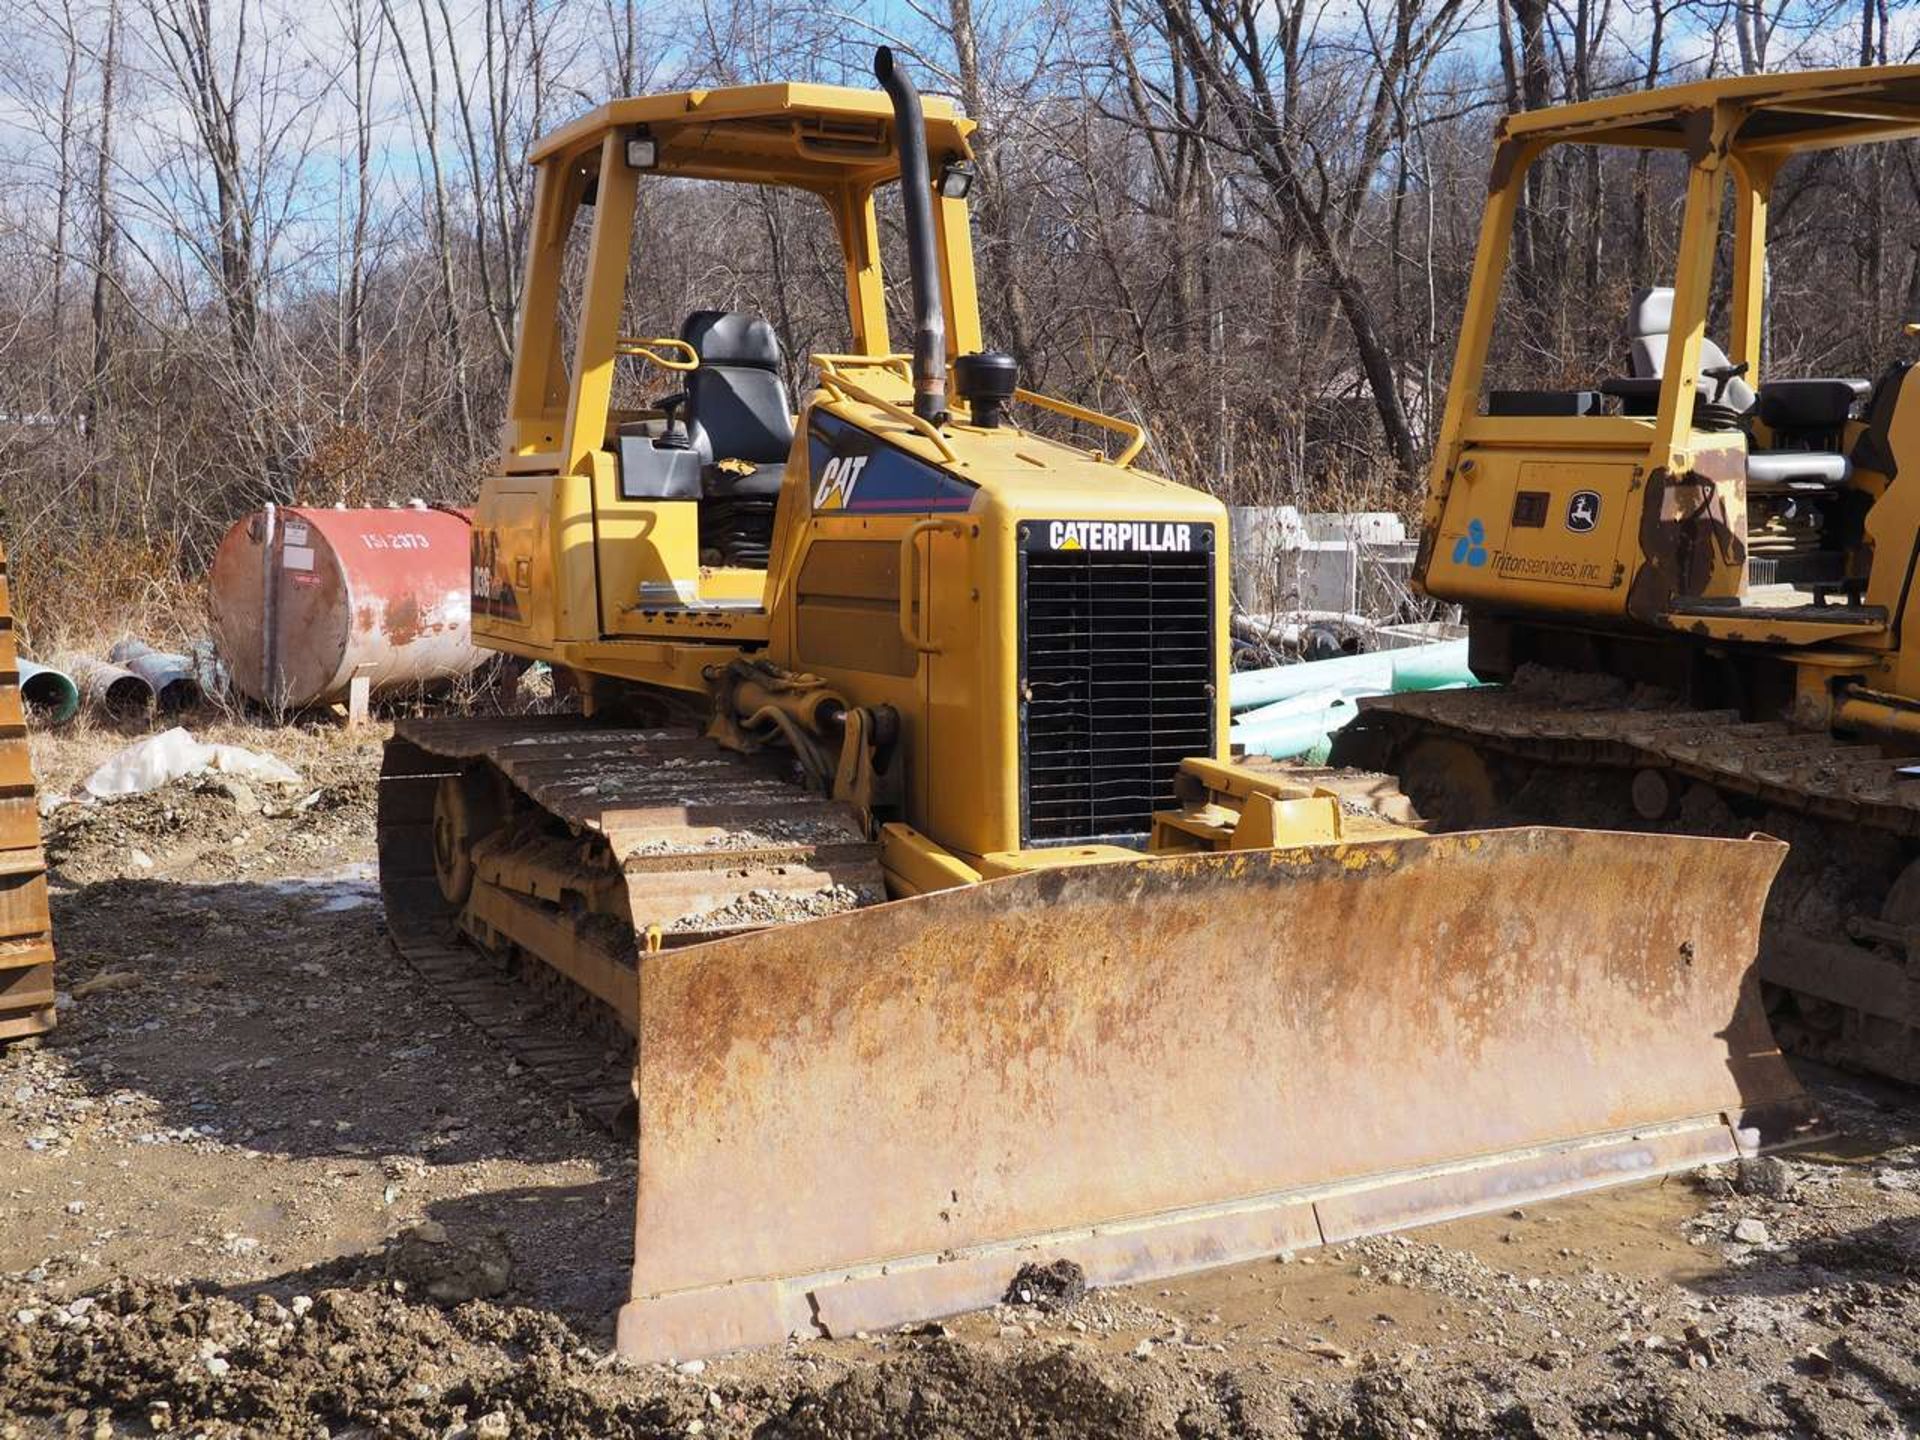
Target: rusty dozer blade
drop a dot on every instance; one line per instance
(1155, 1066)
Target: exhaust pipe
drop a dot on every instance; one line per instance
(916, 192)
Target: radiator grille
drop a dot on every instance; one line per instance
(1116, 665)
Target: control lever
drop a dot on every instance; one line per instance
(675, 436)
(1723, 375)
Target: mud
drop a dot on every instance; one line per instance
(1058, 1286)
(268, 1183)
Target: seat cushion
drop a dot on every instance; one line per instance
(736, 405)
(1809, 404)
(1651, 312)
(1789, 467)
(1649, 318)
(739, 414)
(1647, 358)
(722, 482)
(732, 337)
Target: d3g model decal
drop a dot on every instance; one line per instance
(493, 591)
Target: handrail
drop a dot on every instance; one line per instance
(910, 577)
(830, 367)
(833, 380)
(634, 345)
(1136, 434)
(901, 365)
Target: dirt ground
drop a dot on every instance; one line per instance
(262, 1181)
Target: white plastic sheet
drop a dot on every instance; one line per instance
(160, 759)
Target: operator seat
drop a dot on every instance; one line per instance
(1648, 321)
(737, 420)
(1807, 418)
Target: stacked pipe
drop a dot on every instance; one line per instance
(113, 689)
(1293, 710)
(129, 684)
(171, 677)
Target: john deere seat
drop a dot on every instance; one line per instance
(1806, 419)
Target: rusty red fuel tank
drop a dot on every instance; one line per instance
(305, 600)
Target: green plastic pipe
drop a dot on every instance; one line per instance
(1302, 733)
(1312, 702)
(49, 694)
(1305, 732)
(1420, 667)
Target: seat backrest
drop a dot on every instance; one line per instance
(736, 405)
(1648, 320)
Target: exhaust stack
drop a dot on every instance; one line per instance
(916, 191)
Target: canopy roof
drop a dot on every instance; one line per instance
(766, 134)
(1805, 110)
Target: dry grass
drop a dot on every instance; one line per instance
(79, 601)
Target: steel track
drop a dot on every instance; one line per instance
(606, 842)
(1841, 787)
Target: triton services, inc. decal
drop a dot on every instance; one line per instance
(1473, 551)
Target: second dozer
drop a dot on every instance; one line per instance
(902, 836)
(1694, 581)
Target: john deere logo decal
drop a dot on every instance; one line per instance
(1583, 511)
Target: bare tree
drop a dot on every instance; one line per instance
(210, 77)
(426, 103)
(103, 225)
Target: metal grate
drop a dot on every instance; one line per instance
(1116, 669)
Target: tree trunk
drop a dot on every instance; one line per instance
(1005, 288)
(426, 104)
(103, 232)
(57, 398)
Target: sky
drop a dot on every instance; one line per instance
(295, 80)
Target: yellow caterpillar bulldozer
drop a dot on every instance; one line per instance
(898, 859)
(1695, 579)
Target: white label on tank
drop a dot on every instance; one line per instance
(296, 533)
(398, 540)
(297, 557)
